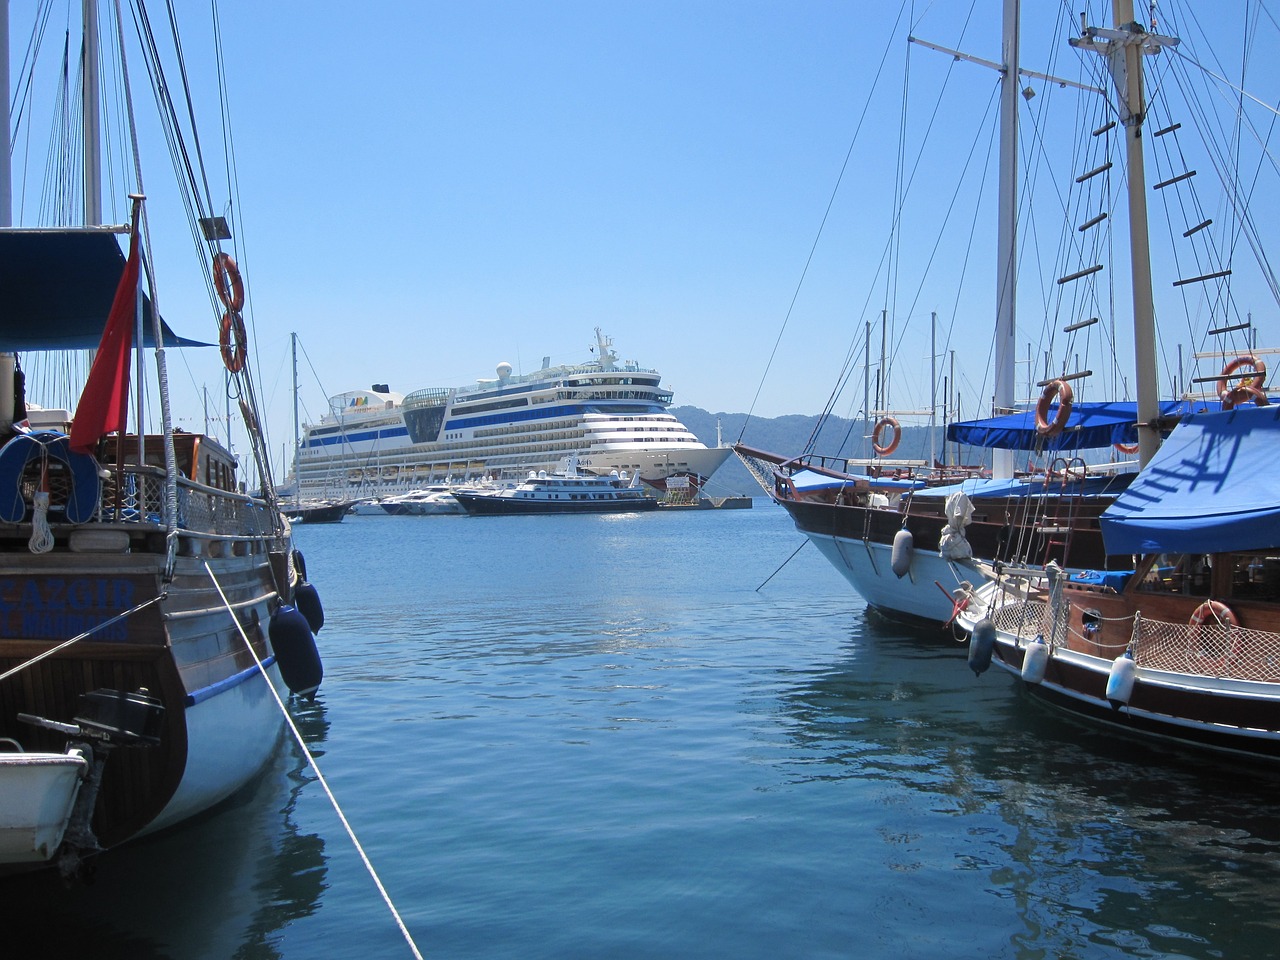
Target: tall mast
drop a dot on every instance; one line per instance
(1007, 233)
(7, 360)
(91, 121)
(6, 166)
(297, 485)
(1124, 47)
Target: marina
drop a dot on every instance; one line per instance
(563, 699)
(594, 758)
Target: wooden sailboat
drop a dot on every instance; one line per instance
(1185, 650)
(149, 621)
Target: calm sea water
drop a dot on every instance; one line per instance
(602, 737)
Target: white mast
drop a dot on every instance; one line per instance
(1124, 47)
(6, 165)
(1007, 234)
(7, 362)
(91, 121)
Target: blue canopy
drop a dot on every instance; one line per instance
(1037, 486)
(56, 288)
(808, 481)
(1211, 488)
(1091, 426)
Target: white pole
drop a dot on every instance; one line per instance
(1007, 235)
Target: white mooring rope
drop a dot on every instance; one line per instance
(316, 767)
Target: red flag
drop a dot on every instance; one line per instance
(104, 403)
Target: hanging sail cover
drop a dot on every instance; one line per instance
(57, 287)
(1091, 426)
(1212, 487)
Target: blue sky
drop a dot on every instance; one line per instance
(430, 188)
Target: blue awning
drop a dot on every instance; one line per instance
(56, 288)
(1090, 427)
(1211, 488)
(808, 481)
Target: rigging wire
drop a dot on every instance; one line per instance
(311, 761)
(826, 213)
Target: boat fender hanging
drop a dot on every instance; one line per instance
(307, 599)
(881, 448)
(295, 650)
(1124, 672)
(981, 642)
(900, 557)
(300, 564)
(1066, 399)
(1035, 660)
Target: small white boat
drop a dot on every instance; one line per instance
(428, 501)
(40, 791)
(565, 491)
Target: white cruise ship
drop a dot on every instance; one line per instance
(612, 415)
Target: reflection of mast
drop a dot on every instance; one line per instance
(1123, 47)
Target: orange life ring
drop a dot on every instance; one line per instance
(1062, 390)
(1250, 385)
(884, 449)
(1233, 398)
(233, 341)
(227, 281)
(1218, 613)
(1214, 610)
(1126, 448)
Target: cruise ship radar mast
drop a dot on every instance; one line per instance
(604, 348)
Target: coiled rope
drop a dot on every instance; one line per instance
(311, 760)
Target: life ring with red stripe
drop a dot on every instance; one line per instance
(1248, 388)
(1217, 613)
(1066, 398)
(881, 448)
(233, 341)
(228, 282)
(1129, 449)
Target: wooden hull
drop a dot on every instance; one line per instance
(1188, 690)
(858, 541)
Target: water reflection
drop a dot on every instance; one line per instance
(224, 885)
(1098, 843)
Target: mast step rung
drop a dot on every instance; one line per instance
(1231, 329)
(1197, 228)
(1169, 129)
(1088, 271)
(1092, 222)
(1207, 276)
(1094, 172)
(1066, 376)
(1172, 180)
(1072, 327)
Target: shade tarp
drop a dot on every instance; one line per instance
(56, 289)
(1091, 426)
(1212, 487)
(807, 481)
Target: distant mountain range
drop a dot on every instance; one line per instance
(786, 435)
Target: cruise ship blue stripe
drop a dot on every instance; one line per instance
(222, 686)
(470, 423)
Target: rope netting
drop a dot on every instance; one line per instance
(1208, 649)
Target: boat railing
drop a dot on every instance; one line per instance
(137, 497)
(1221, 651)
